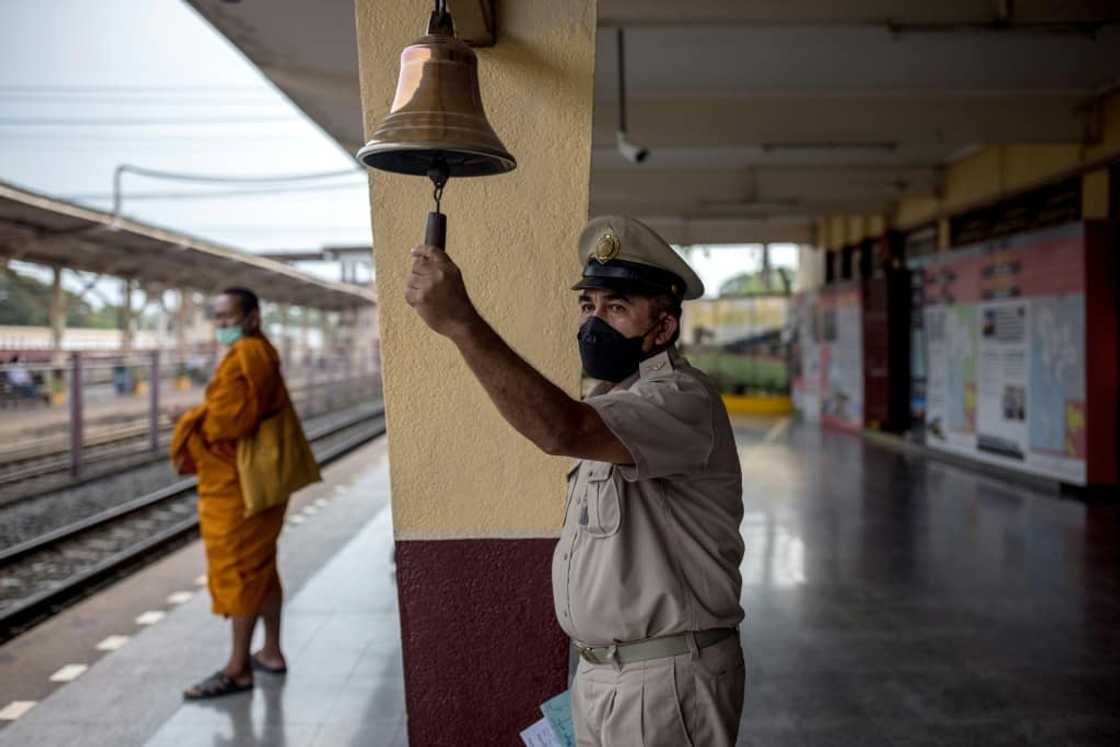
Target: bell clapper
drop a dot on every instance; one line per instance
(436, 231)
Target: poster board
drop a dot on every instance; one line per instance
(841, 356)
(1004, 328)
(806, 356)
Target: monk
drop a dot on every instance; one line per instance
(240, 551)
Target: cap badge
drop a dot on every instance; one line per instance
(606, 248)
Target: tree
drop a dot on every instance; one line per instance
(24, 302)
(754, 283)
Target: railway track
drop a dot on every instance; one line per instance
(43, 574)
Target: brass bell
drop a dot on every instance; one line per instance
(436, 125)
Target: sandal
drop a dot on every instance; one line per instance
(260, 666)
(215, 686)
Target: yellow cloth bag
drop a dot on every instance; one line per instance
(275, 462)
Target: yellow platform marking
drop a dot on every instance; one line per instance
(738, 404)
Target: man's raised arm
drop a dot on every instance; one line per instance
(533, 405)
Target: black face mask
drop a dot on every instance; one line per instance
(607, 354)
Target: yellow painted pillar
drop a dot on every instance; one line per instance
(476, 508)
(1094, 195)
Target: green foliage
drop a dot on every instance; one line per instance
(754, 284)
(24, 302)
(736, 373)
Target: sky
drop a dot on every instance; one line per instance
(88, 85)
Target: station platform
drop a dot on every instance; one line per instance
(340, 631)
(890, 600)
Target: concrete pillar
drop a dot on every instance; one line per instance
(184, 316)
(304, 338)
(285, 340)
(127, 315)
(810, 268)
(56, 314)
(326, 332)
(476, 508)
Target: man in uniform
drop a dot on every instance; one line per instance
(646, 573)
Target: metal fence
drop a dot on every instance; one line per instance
(94, 405)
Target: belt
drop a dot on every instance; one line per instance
(652, 648)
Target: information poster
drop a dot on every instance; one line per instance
(841, 357)
(806, 354)
(918, 364)
(1004, 328)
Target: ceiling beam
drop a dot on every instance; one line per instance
(683, 230)
(763, 183)
(902, 14)
(820, 122)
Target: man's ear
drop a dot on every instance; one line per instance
(669, 324)
(253, 320)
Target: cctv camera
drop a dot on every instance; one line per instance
(630, 151)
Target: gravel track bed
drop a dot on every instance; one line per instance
(57, 568)
(33, 517)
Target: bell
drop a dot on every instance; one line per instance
(436, 125)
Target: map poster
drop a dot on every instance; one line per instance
(841, 359)
(1004, 326)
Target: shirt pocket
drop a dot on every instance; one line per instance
(602, 505)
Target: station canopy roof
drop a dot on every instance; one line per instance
(762, 116)
(44, 230)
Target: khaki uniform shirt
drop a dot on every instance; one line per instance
(654, 548)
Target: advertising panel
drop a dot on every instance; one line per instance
(1004, 329)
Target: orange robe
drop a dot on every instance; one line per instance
(240, 551)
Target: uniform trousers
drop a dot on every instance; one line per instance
(694, 699)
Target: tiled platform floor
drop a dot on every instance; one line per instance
(895, 601)
(345, 684)
(890, 601)
(341, 636)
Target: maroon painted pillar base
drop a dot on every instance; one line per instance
(481, 646)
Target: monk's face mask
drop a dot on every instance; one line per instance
(227, 335)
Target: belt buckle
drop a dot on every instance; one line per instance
(586, 653)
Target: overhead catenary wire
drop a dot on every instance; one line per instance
(148, 100)
(157, 196)
(138, 121)
(222, 178)
(96, 88)
(183, 176)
